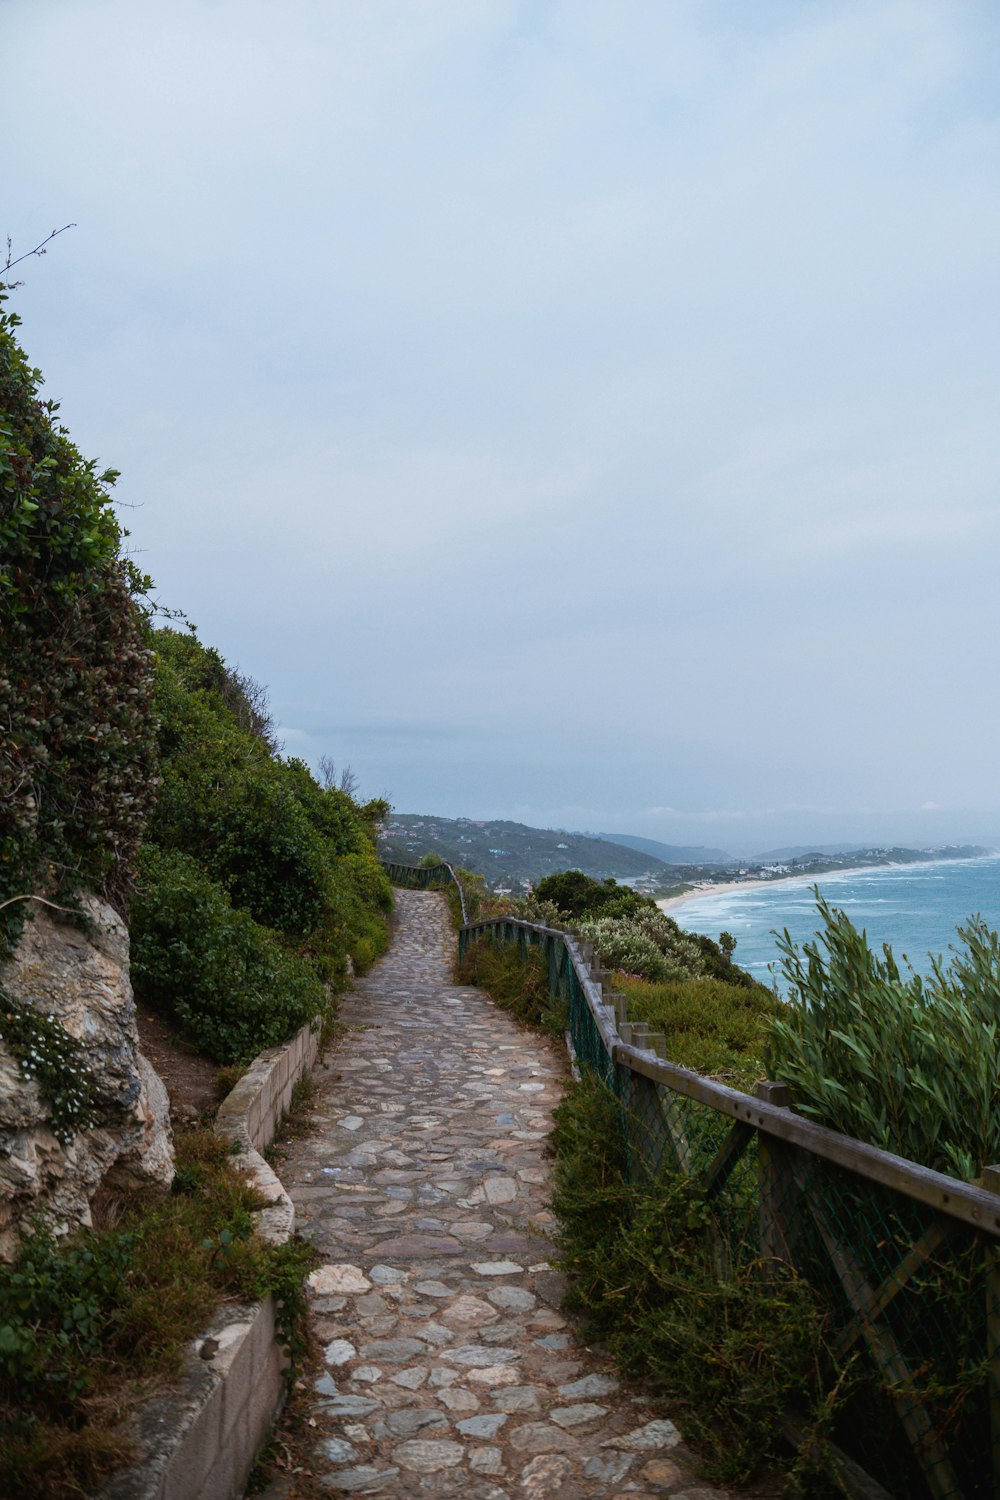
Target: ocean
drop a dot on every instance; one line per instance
(913, 908)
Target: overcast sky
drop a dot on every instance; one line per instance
(584, 413)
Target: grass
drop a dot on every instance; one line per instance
(518, 985)
(91, 1325)
(711, 1027)
(728, 1350)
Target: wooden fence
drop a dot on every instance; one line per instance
(907, 1260)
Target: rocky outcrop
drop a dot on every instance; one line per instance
(80, 978)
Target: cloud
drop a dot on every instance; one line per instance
(569, 408)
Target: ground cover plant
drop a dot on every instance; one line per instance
(90, 1325)
(730, 1342)
(518, 985)
(711, 1027)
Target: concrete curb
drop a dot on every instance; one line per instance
(199, 1442)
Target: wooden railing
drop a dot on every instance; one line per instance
(906, 1259)
(425, 878)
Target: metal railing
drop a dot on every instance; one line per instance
(425, 878)
(906, 1260)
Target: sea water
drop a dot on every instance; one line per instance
(913, 908)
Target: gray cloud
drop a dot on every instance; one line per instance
(569, 410)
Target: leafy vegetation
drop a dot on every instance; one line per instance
(258, 886)
(87, 1324)
(518, 985)
(907, 1064)
(77, 754)
(731, 1347)
(47, 1053)
(711, 1027)
(631, 933)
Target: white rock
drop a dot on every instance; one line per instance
(81, 979)
(338, 1278)
(339, 1352)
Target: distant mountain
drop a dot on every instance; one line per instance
(510, 853)
(672, 854)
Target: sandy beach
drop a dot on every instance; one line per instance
(723, 888)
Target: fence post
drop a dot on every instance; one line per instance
(991, 1181)
(776, 1183)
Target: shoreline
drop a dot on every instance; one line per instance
(726, 887)
(711, 888)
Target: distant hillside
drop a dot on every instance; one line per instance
(510, 853)
(799, 851)
(672, 854)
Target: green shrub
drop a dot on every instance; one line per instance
(907, 1064)
(731, 1350)
(650, 948)
(77, 765)
(518, 985)
(85, 1320)
(227, 981)
(715, 1028)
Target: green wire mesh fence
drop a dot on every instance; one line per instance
(906, 1260)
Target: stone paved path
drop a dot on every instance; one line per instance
(450, 1370)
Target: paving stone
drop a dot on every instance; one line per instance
(339, 1278)
(428, 1455)
(337, 1450)
(659, 1434)
(590, 1385)
(610, 1467)
(519, 1398)
(364, 1480)
(480, 1356)
(576, 1416)
(457, 1398)
(412, 1379)
(486, 1460)
(497, 1268)
(542, 1437)
(394, 1351)
(339, 1352)
(410, 1420)
(495, 1375)
(485, 1426)
(545, 1476)
(469, 1311)
(383, 1275)
(511, 1297)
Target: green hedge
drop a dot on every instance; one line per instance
(229, 983)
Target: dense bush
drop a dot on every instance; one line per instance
(228, 981)
(731, 1349)
(283, 870)
(77, 767)
(629, 931)
(710, 1026)
(908, 1064)
(518, 985)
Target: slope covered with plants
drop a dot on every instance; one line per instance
(77, 742)
(257, 886)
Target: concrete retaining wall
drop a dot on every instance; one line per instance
(200, 1441)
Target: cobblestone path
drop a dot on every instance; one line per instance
(450, 1370)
